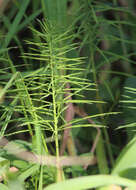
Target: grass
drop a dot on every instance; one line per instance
(67, 94)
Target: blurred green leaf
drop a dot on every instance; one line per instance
(91, 182)
(126, 159)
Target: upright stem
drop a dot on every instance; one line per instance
(100, 149)
(68, 117)
(126, 65)
(59, 173)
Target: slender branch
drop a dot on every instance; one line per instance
(82, 113)
(69, 115)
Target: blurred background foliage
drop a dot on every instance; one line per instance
(105, 36)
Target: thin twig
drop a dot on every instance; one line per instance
(69, 115)
(82, 113)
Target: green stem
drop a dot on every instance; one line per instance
(100, 150)
(53, 75)
(126, 65)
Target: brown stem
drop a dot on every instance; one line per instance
(82, 113)
(69, 115)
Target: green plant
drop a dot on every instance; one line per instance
(57, 94)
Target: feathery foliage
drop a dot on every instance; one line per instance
(66, 83)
